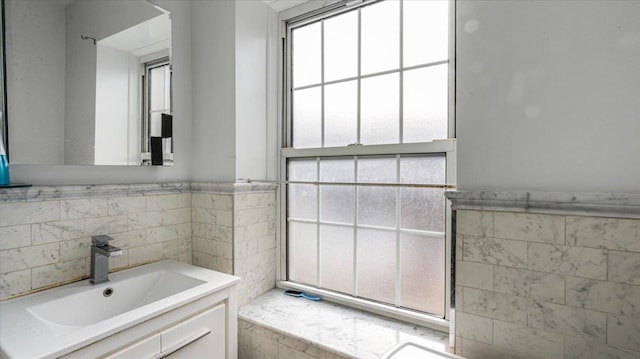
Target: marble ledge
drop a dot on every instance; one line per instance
(580, 204)
(338, 329)
(233, 188)
(44, 193)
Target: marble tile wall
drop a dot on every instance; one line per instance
(547, 286)
(258, 342)
(254, 228)
(212, 222)
(234, 231)
(45, 231)
(45, 234)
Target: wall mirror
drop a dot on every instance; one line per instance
(88, 82)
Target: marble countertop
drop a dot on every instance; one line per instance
(335, 328)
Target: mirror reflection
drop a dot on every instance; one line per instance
(88, 82)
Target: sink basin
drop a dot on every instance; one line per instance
(63, 319)
(110, 299)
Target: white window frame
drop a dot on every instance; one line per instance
(307, 13)
(145, 132)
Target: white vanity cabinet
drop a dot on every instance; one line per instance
(206, 328)
(164, 309)
(199, 337)
(202, 336)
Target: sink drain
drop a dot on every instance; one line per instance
(107, 292)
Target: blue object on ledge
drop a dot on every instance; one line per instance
(295, 293)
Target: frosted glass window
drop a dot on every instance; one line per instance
(422, 273)
(307, 118)
(341, 46)
(422, 208)
(423, 169)
(303, 252)
(376, 265)
(374, 76)
(337, 202)
(302, 201)
(336, 258)
(379, 110)
(306, 49)
(337, 170)
(425, 104)
(377, 205)
(425, 31)
(303, 170)
(380, 37)
(341, 114)
(377, 170)
(302, 198)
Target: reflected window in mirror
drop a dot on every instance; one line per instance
(157, 144)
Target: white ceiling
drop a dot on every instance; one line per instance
(147, 37)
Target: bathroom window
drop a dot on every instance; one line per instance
(368, 152)
(157, 101)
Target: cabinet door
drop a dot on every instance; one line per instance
(147, 348)
(202, 336)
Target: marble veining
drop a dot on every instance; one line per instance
(334, 328)
(46, 242)
(227, 188)
(43, 193)
(600, 204)
(547, 285)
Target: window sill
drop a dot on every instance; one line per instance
(334, 328)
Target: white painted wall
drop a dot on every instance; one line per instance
(181, 53)
(230, 62)
(36, 80)
(273, 93)
(80, 95)
(112, 106)
(213, 66)
(251, 89)
(548, 95)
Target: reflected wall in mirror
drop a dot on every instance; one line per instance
(88, 82)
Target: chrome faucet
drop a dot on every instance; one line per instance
(100, 253)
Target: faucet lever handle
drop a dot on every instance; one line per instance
(100, 240)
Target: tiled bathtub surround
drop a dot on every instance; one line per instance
(45, 232)
(234, 232)
(564, 284)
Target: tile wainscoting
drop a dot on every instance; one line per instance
(547, 275)
(45, 231)
(234, 231)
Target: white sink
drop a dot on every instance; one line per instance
(112, 298)
(70, 317)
